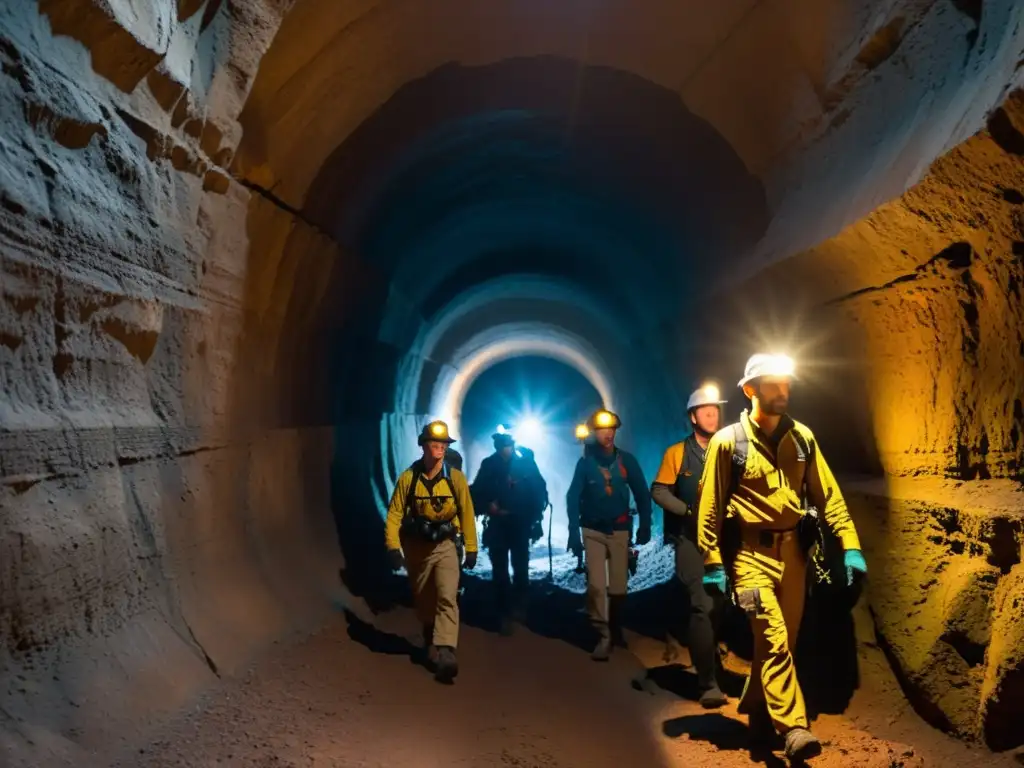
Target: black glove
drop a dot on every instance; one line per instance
(395, 559)
(470, 562)
(536, 531)
(575, 544)
(643, 534)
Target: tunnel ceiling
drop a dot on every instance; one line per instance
(835, 105)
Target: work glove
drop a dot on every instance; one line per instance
(575, 544)
(470, 562)
(643, 534)
(395, 559)
(715, 579)
(536, 532)
(853, 560)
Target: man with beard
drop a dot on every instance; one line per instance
(510, 491)
(761, 473)
(675, 490)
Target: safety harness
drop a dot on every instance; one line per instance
(421, 527)
(609, 483)
(809, 530)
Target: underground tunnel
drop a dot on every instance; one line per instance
(248, 249)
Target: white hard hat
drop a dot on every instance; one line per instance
(763, 364)
(706, 395)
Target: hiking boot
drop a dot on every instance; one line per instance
(801, 745)
(603, 649)
(713, 698)
(447, 666)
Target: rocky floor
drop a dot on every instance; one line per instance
(352, 696)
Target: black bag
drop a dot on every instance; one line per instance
(430, 530)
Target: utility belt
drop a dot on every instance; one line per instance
(623, 522)
(429, 530)
(806, 531)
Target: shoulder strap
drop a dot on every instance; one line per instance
(410, 495)
(804, 452)
(739, 458)
(455, 493)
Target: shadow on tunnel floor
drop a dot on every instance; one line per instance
(722, 732)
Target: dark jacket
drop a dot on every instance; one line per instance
(598, 496)
(516, 486)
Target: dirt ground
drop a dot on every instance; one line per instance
(352, 695)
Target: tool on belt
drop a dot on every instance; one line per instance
(431, 530)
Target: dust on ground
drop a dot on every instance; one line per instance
(353, 695)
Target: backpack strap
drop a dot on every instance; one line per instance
(410, 497)
(741, 444)
(446, 470)
(804, 452)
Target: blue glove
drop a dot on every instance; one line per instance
(854, 562)
(715, 579)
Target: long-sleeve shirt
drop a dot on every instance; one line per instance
(588, 502)
(768, 495)
(445, 490)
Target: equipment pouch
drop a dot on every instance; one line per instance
(749, 600)
(807, 530)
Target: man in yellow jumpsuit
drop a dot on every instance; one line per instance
(430, 513)
(760, 472)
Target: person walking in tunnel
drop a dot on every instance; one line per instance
(511, 494)
(431, 519)
(598, 503)
(767, 474)
(675, 490)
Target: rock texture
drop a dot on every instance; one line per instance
(166, 469)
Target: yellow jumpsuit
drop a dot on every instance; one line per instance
(770, 566)
(433, 567)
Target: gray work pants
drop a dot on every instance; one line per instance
(699, 621)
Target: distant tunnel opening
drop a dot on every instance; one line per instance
(541, 400)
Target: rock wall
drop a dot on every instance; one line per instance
(155, 530)
(908, 328)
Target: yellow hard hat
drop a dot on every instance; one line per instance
(604, 419)
(435, 432)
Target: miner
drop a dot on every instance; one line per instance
(598, 503)
(768, 475)
(675, 490)
(511, 495)
(430, 519)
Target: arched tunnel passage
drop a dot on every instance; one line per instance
(234, 265)
(541, 399)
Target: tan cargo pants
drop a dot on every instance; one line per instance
(434, 576)
(611, 550)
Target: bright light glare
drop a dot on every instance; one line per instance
(530, 431)
(784, 365)
(711, 392)
(501, 429)
(582, 433)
